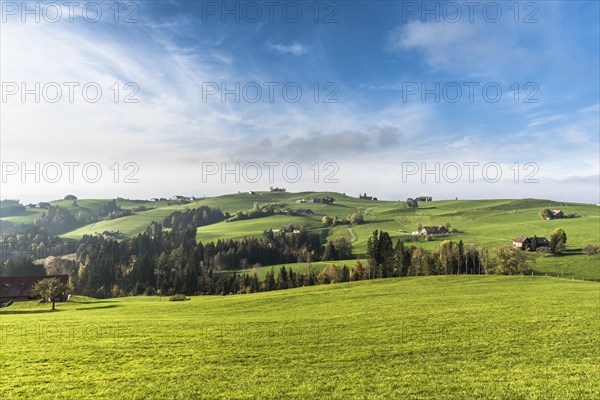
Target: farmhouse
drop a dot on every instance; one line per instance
(557, 214)
(365, 197)
(424, 198)
(434, 230)
(19, 287)
(328, 200)
(324, 200)
(524, 243)
(182, 198)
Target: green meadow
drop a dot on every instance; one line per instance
(483, 222)
(439, 337)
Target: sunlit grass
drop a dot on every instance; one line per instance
(455, 337)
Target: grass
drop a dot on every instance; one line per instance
(484, 222)
(458, 337)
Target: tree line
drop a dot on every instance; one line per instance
(160, 261)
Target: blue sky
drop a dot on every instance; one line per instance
(367, 56)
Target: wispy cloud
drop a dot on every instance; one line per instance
(546, 120)
(476, 49)
(295, 48)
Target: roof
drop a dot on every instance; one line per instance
(20, 286)
(434, 229)
(523, 239)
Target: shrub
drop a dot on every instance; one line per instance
(178, 297)
(510, 261)
(591, 249)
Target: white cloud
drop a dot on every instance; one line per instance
(295, 48)
(546, 120)
(472, 49)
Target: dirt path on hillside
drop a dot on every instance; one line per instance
(352, 234)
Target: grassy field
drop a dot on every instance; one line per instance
(459, 337)
(484, 222)
(478, 221)
(481, 221)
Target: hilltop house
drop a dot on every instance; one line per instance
(434, 230)
(365, 197)
(182, 198)
(19, 287)
(524, 243)
(328, 200)
(424, 198)
(557, 214)
(324, 200)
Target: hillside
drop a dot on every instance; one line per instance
(485, 337)
(484, 222)
(481, 221)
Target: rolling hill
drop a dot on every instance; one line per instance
(484, 222)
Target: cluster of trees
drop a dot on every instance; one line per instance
(21, 267)
(386, 260)
(270, 249)
(194, 218)
(330, 221)
(558, 241)
(411, 203)
(112, 210)
(34, 242)
(59, 219)
(284, 278)
(173, 262)
(10, 208)
(255, 212)
(356, 218)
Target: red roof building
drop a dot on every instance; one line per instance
(19, 287)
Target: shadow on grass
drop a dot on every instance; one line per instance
(25, 312)
(7, 311)
(377, 222)
(98, 308)
(88, 301)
